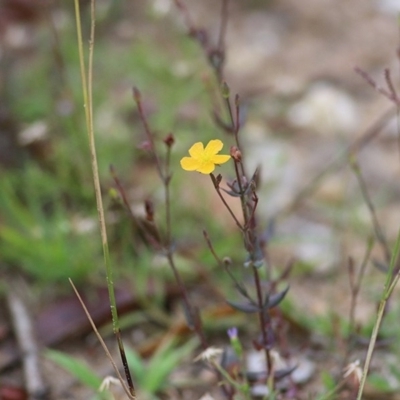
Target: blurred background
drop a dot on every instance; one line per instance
(305, 112)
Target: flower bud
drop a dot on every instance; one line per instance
(169, 140)
(236, 154)
(235, 342)
(225, 90)
(136, 95)
(149, 208)
(114, 194)
(216, 58)
(227, 261)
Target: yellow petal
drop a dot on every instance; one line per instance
(213, 147)
(220, 159)
(197, 150)
(190, 164)
(206, 168)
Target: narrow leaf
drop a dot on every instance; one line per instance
(75, 367)
(275, 299)
(246, 307)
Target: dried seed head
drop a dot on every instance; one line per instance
(353, 373)
(209, 355)
(108, 381)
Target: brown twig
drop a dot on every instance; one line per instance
(355, 280)
(226, 263)
(138, 100)
(216, 182)
(136, 221)
(377, 227)
(391, 94)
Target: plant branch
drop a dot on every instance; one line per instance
(138, 100)
(377, 228)
(217, 188)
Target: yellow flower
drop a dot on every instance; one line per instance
(203, 159)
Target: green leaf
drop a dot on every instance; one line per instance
(75, 367)
(136, 364)
(379, 383)
(164, 361)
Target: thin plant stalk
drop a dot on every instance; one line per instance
(88, 105)
(377, 227)
(218, 190)
(165, 177)
(249, 205)
(167, 194)
(355, 286)
(248, 202)
(103, 344)
(390, 284)
(243, 389)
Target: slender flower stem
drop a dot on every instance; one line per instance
(195, 318)
(165, 177)
(249, 224)
(229, 108)
(211, 247)
(193, 315)
(137, 223)
(242, 197)
(167, 181)
(249, 205)
(216, 186)
(377, 227)
(243, 389)
(261, 316)
(253, 209)
(149, 134)
(223, 264)
(236, 130)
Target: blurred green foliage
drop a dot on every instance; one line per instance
(38, 232)
(43, 203)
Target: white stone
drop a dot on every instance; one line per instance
(326, 110)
